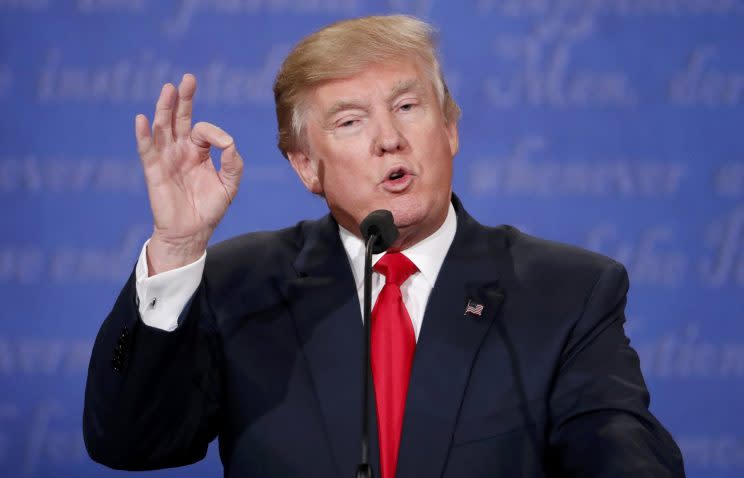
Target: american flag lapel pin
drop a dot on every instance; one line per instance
(474, 309)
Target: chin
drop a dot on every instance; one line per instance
(407, 212)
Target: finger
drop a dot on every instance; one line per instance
(143, 136)
(162, 125)
(186, 91)
(231, 170)
(205, 135)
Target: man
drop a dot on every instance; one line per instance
(494, 353)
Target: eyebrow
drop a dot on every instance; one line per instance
(342, 105)
(405, 86)
(401, 87)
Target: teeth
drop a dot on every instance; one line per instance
(396, 175)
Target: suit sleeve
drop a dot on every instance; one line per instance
(601, 425)
(152, 396)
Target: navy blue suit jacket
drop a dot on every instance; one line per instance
(267, 356)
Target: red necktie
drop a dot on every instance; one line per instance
(393, 344)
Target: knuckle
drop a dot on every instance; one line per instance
(185, 95)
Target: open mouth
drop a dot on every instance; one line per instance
(397, 179)
(397, 174)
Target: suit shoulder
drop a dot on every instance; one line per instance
(552, 262)
(256, 244)
(257, 252)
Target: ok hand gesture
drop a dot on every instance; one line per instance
(188, 196)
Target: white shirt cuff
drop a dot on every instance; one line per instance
(163, 296)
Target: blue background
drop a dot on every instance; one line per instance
(616, 125)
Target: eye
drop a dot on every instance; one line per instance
(407, 106)
(347, 123)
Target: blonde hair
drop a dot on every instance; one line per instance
(344, 49)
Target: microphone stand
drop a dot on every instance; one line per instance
(364, 470)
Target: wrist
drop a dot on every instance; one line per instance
(165, 254)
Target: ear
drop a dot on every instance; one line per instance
(453, 136)
(307, 170)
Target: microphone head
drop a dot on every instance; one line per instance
(380, 223)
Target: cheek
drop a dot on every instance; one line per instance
(347, 180)
(439, 155)
(342, 173)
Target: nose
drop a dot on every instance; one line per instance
(389, 137)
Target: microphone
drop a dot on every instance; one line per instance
(379, 233)
(380, 223)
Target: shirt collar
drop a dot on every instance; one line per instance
(427, 255)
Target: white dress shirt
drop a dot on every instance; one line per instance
(427, 255)
(163, 296)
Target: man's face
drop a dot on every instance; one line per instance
(379, 140)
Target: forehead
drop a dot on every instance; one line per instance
(374, 82)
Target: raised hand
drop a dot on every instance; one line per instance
(188, 196)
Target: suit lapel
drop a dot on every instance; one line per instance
(324, 304)
(448, 345)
